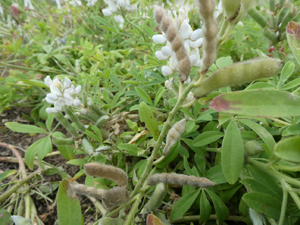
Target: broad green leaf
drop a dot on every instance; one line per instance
(292, 130)
(257, 186)
(24, 128)
(68, 205)
(265, 179)
(292, 84)
(226, 194)
(40, 148)
(201, 162)
(19, 220)
(259, 103)
(260, 85)
(288, 149)
(232, 155)
(263, 203)
(224, 61)
(47, 48)
(286, 72)
(205, 208)
(131, 149)
(62, 58)
(170, 156)
(262, 133)
(78, 162)
(67, 150)
(183, 205)
(221, 209)
(147, 116)
(158, 95)
(143, 94)
(216, 175)
(5, 217)
(207, 138)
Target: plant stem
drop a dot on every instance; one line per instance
(188, 219)
(75, 119)
(284, 204)
(134, 209)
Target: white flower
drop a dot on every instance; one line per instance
(159, 39)
(190, 97)
(107, 12)
(161, 56)
(185, 30)
(166, 71)
(119, 19)
(196, 44)
(58, 4)
(1, 10)
(61, 94)
(27, 3)
(166, 50)
(75, 3)
(196, 34)
(91, 2)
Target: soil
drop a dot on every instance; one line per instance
(46, 210)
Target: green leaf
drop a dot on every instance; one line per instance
(292, 84)
(288, 149)
(216, 175)
(263, 203)
(232, 155)
(68, 205)
(170, 156)
(260, 85)
(147, 116)
(47, 48)
(131, 149)
(262, 133)
(221, 209)
(143, 94)
(158, 95)
(183, 205)
(224, 61)
(259, 103)
(292, 130)
(98, 133)
(24, 128)
(49, 121)
(207, 138)
(286, 72)
(62, 58)
(257, 186)
(40, 148)
(205, 208)
(6, 174)
(5, 217)
(67, 150)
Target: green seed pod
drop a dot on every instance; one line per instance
(102, 120)
(156, 199)
(239, 73)
(231, 8)
(252, 148)
(271, 35)
(111, 221)
(258, 17)
(87, 147)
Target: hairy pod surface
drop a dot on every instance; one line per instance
(107, 171)
(174, 134)
(179, 179)
(156, 199)
(231, 7)
(239, 73)
(115, 197)
(111, 221)
(81, 189)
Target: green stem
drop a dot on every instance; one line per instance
(293, 194)
(217, 150)
(284, 203)
(121, 207)
(75, 119)
(227, 33)
(63, 121)
(188, 219)
(281, 2)
(134, 209)
(288, 168)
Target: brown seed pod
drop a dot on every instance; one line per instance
(184, 66)
(180, 53)
(115, 197)
(171, 33)
(174, 134)
(180, 179)
(81, 189)
(107, 171)
(158, 14)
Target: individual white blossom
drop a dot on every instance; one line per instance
(91, 2)
(190, 97)
(191, 40)
(62, 94)
(27, 3)
(115, 6)
(58, 4)
(1, 10)
(75, 3)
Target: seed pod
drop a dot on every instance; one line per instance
(102, 120)
(239, 73)
(231, 7)
(81, 189)
(111, 221)
(252, 148)
(156, 199)
(179, 179)
(174, 135)
(87, 147)
(115, 197)
(62, 141)
(107, 171)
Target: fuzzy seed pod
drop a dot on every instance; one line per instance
(156, 199)
(231, 7)
(179, 179)
(252, 148)
(210, 31)
(239, 73)
(81, 189)
(173, 36)
(174, 134)
(102, 120)
(107, 171)
(87, 147)
(115, 197)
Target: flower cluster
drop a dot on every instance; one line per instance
(192, 40)
(61, 94)
(114, 6)
(75, 3)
